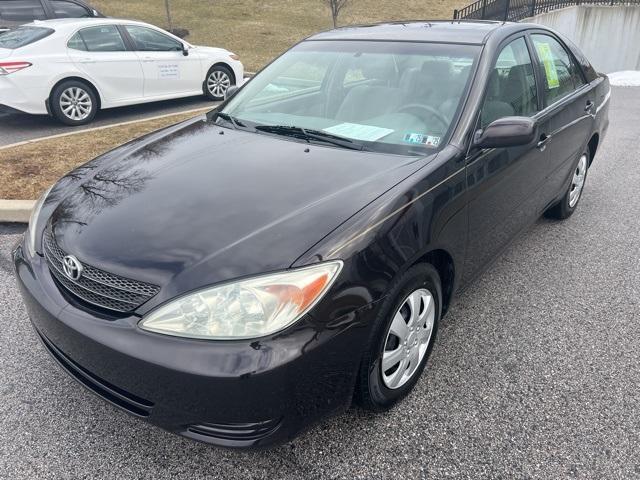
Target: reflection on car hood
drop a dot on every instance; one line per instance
(197, 204)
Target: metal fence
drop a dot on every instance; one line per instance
(514, 10)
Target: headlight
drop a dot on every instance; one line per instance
(33, 222)
(245, 309)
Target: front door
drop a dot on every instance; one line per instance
(504, 183)
(167, 71)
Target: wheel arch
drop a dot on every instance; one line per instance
(88, 83)
(443, 262)
(225, 65)
(593, 143)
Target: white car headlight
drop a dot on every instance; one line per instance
(244, 309)
(33, 222)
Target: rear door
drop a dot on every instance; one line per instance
(567, 119)
(18, 12)
(167, 71)
(101, 53)
(504, 184)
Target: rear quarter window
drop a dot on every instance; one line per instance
(23, 36)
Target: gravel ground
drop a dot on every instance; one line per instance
(535, 374)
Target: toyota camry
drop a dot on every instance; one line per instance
(238, 276)
(72, 68)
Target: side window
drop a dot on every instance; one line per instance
(66, 9)
(149, 40)
(561, 74)
(21, 10)
(512, 85)
(76, 43)
(105, 38)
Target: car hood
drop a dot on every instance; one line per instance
(197, 204)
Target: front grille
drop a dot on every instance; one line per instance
(95, 286)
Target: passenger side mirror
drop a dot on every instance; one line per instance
(507, 132)
(231, 91)
(185, 50)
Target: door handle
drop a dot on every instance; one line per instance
(589, 106)
(542, 143)
(87, 60)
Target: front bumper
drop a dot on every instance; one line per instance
(232, 394)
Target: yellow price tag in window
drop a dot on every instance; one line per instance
(544, 51)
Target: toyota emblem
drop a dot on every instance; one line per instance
(72, 267)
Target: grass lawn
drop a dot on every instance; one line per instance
(29, 169)
(258, 30)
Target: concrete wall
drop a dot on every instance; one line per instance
(608, 36)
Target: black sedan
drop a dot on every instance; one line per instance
(238, 276)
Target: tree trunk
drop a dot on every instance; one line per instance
(167, 7)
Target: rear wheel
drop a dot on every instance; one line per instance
(403, 337)
(74, 103)
(565, 207)
(219, 79)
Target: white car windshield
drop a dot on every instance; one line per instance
(396, 97)
(23, 36)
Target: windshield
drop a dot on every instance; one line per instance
(395, 97)
(23, 36)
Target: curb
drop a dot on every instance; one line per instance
(15, 211)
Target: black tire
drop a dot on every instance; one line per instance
(371, 392)
(223, 72)
(564, 208)
(86, 98)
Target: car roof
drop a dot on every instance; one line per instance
(59, 23)
(441, 31)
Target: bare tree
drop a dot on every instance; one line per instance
(336, 7)
(167, 7)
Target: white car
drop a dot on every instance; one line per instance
(71, 68)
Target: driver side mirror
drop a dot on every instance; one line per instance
(185, 50)
(507, 132)
(231, 91)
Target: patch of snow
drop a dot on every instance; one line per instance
(626, 78)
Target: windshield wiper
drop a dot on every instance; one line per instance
(310, 134)
(232, 120)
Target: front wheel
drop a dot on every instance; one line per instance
(73, 103)
(569, 202)
(403, 336)
(219, 79)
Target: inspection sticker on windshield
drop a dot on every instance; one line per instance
(418, 138)
(368, 133)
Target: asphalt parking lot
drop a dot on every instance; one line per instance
(535, 373)
(21, 127)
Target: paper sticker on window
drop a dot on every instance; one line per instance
(544, 51)
(357, 131)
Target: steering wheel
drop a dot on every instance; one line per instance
(426, 108)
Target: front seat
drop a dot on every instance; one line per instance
(365, 101)
(494, 107)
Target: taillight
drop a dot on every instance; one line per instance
(11, 67)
